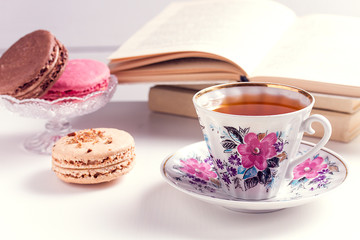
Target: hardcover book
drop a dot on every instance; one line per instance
(177, 100)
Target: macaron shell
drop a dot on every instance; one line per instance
(32, 65)
(92, 144)
(34, 50)
(81, 74)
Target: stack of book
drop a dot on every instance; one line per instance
(193, 44)
(342, 112)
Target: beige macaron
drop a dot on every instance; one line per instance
(93, 155)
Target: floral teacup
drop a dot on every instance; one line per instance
(252, 154)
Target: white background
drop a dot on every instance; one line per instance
(94, 29)
(34, 204)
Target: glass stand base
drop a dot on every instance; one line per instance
(43, 142)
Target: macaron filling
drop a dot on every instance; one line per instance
(53, 94)
(93, 172)
(42, 72)
(95, 163)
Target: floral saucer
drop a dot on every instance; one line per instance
(191, 170)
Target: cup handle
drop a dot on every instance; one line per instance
(306, 127)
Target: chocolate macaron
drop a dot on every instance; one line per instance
(30, 67)
(93, 155)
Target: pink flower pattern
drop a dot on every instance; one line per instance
(255, 152)
(201, 170)
(309, 168)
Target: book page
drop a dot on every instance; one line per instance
(184, 65)
(241, 31)
(144, 61)
(319, 48)
(194, 78)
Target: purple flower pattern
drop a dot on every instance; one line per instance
(234, 159)
(231, 171)
(225, 178)
(219, 164)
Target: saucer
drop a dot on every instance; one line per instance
(292, 192)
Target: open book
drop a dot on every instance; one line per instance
(220, 41)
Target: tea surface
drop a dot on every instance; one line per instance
(256, 109)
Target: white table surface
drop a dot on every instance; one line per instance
(35, 204)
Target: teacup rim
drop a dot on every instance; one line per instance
(265, 84)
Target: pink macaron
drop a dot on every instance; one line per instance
(80, 77)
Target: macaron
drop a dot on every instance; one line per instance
(80, 78)
(32, 65)
(93, 155)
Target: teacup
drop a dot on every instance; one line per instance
(253, 132)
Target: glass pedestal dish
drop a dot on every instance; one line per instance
(56, 113)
